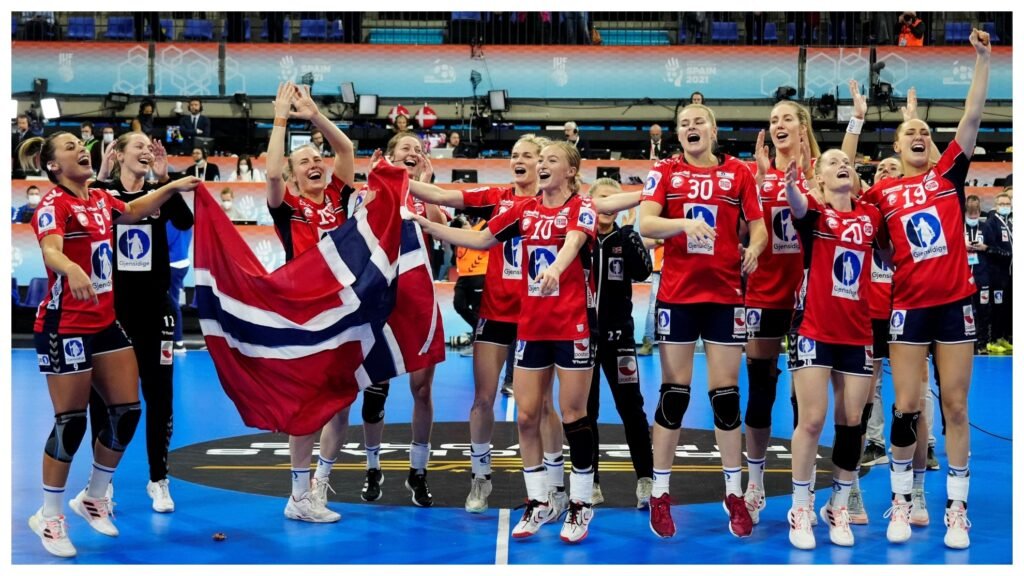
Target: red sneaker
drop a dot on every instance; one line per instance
(661, 516)
(740, 523)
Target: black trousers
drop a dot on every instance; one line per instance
(152, 337)
(1001, 284)
(983, 313)
(616, 356)
(469, 290)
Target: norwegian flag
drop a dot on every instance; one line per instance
(293, 347)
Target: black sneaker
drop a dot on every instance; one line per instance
(371, 486)
(506, 387)
(417, 484)
(874, 454)
(933, 462)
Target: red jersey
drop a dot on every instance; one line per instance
(561, 315)
(703, 271)
(502, 285)
(832, 303)
(87, 228)
(300, 222)
(924, 217)
(780, 266)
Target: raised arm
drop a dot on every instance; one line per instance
(145, 205)
(762, 158)
(275, 148)
(796, 199)
(465, 237)
(910, 113)
(344, 151)
(853, 129)
(974, 106)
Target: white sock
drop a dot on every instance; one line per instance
(733, 480)
(801, 493)
(480, 455)
(373, 457)
(814, 479)
(840, 492)
(323, 468)
(661, 479)
(536, 483)
(53, 500)
(300, 482)
(856, 478)
(99, 480)
(958, 484)
(919, 478)
(756, 469)
(901, 477)
(555, 464)
(581, 485)
(418, 456)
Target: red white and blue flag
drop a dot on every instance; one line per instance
(293, 347)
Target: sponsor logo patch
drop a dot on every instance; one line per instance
(166, 353)
(74, 351)
(628, 373)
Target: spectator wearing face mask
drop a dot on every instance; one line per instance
(999, 239)
(227, 201)
(977, 259)
(245, 171)
(202, 169)
(25, 212)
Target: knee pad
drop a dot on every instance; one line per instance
(580, 436)
(66, 436)
(725, 404)
(903, 432)
(864, 417)
(374, 398)
(846, 447)
(761, 398)
(124, 418)
(673, 400)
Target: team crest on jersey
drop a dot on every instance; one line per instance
(753, 320)
(581, 349)
(540, 257)
(880, 271)
(45, 219)
(768, 186)
(651, 184)
(708, 214)
(785, 239)
(832, 223)
(74, 351)
(82, 219)
(931, 185)
(664, 321)
(846, 267)
(897, 322)
(561, 221)
(135, 247)
(969, 328)
(677, 181)
(628, 372)
(806, 349)
(512, 263)
(307, 212)
(615, 269)
(526, 223)
(102, 273)
(924, 234)
(725, 185)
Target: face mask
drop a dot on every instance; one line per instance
(1004, 210)
(226, 204)
(243, 169)
(33, 200)
(972, 222)
(86, 137)
(108, 137)
(200, 162)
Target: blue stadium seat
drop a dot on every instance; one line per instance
(81, 28)
(770, 33)
(167, 25)
(198, 30)
(36, 293)
(725, 32)
(958, 32)
(313, 29)
(990, 27)
(335, 30)
(120, 28)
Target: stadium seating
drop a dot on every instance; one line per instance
(81, 28)
(198, 30)
(35, 294)
(120, 28)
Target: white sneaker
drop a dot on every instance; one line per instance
(318, 492)
(536, 515)
(858, 515)
(643, 493)
(559, 503)
(160, 492)
(577, 522)
(838, 520)
(800, 533)
(919, 512)
(957, 527)
(307, 510)
(96, 512)
(899, 521)
(754, 498)
(814, 517)
(596, 497)
(479, 490)
(53, 532)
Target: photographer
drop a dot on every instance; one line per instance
(910, 31)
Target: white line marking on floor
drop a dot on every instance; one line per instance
(501, 551)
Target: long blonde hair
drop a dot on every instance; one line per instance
(572, 155)
(803, 115)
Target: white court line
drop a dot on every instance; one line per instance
(504, 515)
